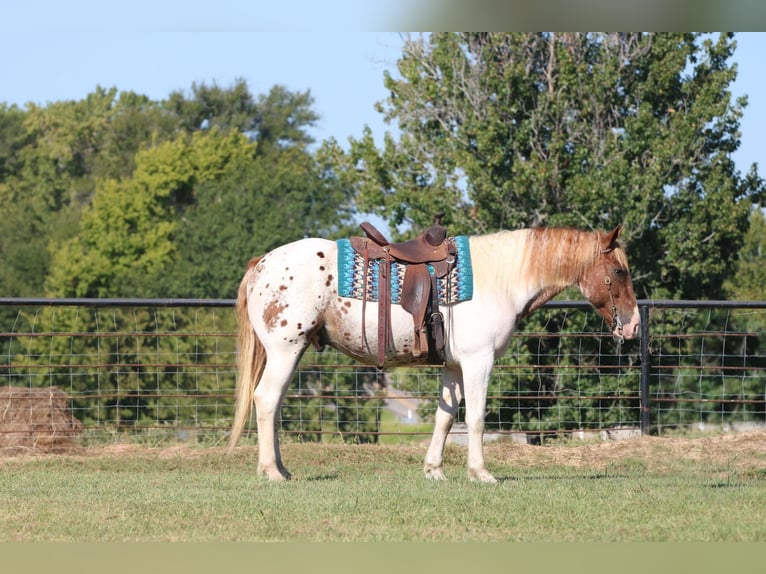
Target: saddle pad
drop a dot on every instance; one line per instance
(455, 287)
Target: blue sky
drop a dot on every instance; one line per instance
(751, 47)
(63, 50)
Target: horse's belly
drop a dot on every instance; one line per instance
(352, 328)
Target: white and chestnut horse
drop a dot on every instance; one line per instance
(288, 299)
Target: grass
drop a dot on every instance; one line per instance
(377, 493)
(395, 432)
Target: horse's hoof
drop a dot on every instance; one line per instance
(482, 476)
(274, 474)
(434, 473)
(278, 476)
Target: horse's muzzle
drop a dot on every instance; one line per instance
(630, 329)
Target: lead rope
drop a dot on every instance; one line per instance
(616, 322)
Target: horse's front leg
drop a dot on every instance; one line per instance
(475, 381)
(449, 401)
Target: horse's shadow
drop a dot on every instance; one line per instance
(321, 478)
(327, 477)
(603, 476)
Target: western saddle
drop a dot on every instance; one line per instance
(419, 295)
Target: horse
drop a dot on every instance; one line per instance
(288, 299)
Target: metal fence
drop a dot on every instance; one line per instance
(164, 367)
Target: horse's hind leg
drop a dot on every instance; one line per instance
(268, 399)
(449, 401)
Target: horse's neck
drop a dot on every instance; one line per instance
(557, 257)
(531, 266)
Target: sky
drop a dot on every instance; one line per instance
(63, 50)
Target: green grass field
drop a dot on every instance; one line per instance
(648, 489)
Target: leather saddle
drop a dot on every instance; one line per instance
(419, 295)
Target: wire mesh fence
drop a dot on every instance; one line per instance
(708, 365)
(150, 369)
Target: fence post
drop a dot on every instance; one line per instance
(645, 366)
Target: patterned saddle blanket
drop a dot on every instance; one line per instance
(454, 287)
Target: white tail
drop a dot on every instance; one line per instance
(251, 360)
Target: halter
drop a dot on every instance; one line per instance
(616, 322)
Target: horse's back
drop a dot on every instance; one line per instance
(310, 255)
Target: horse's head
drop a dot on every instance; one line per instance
(608, 287)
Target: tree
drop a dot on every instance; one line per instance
(50, 160)
(126, 237)
(504, 130)
(259, 204)
(749, 281)
(513, 130)
(44, 178)
(13, 138)
(126, 243)
(280, 194)
(181, 221)
(228, 109)
(280, 117)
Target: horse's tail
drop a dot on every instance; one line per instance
(251, 359)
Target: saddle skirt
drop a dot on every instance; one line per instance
(455, 287)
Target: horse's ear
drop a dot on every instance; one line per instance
(609, 240)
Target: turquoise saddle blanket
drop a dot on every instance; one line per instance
(455, 287)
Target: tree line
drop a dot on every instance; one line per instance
(118, 195)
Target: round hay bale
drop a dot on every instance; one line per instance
(36, 419)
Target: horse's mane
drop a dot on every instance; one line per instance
(544, 258)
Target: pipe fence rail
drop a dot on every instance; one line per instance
(159, 368)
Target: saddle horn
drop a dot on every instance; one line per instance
(437, 233)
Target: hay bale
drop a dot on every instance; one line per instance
(36, 418)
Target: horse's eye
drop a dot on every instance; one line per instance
(620, 272)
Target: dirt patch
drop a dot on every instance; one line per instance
(734, 452)
(36, 419)
(738, 451)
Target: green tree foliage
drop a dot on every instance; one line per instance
(120, 367)
(749, 281)
(279, 118)
(281, 193)
(259, 204)
(50, 161)
(127, 235)
(117, 195)
(513, 130)
(509, 130)
(749, 284)
(120, 196)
